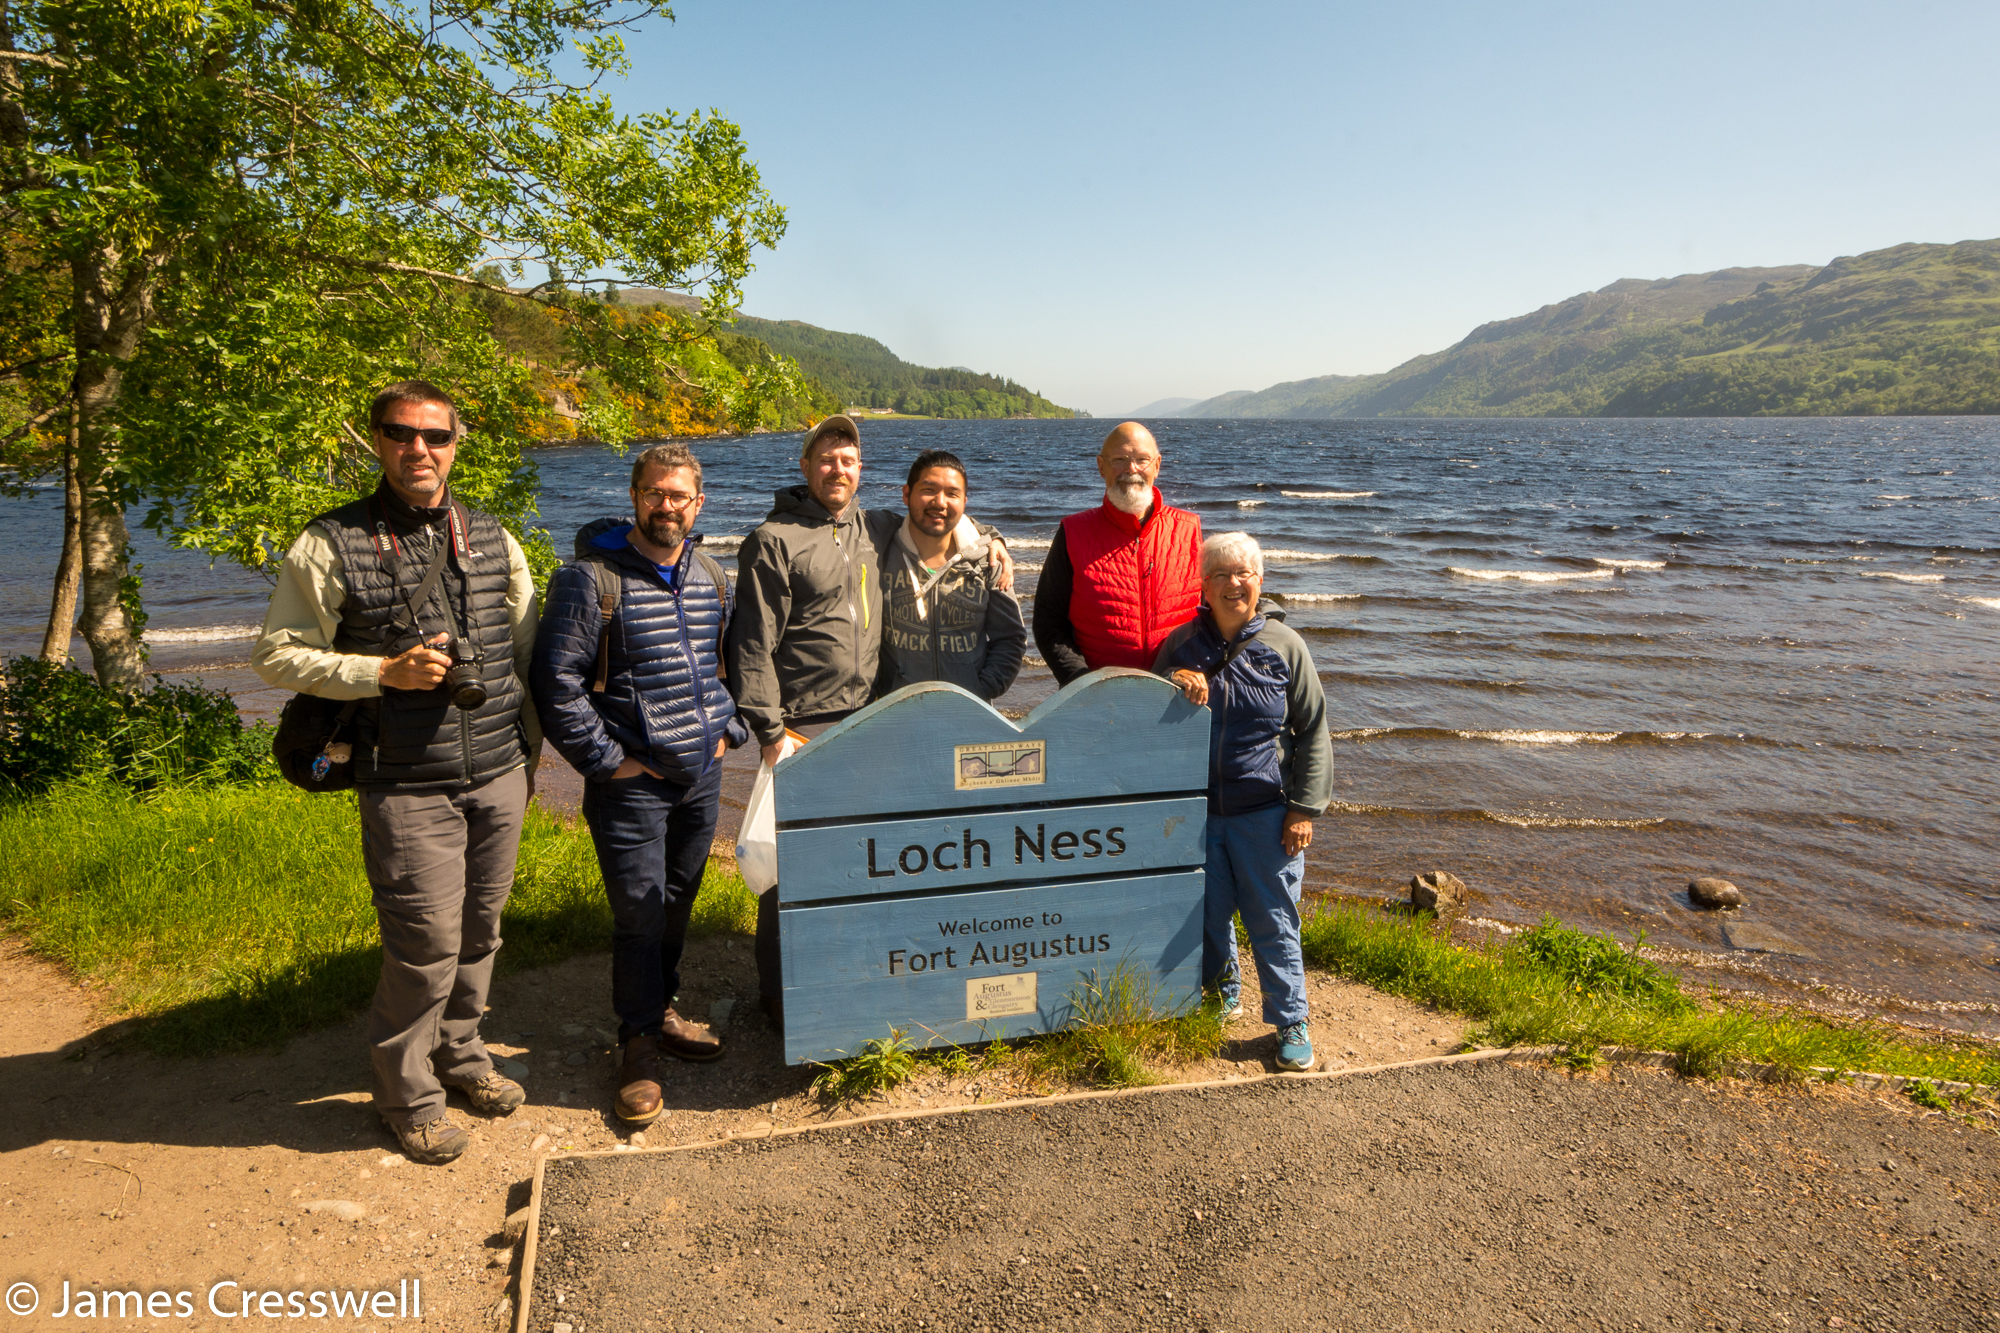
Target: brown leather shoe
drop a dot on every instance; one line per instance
(433, 1143)
(639, 1081)
(682, 1039)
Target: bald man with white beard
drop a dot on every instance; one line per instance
(1121, 577)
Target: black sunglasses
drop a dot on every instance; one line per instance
(401, 434)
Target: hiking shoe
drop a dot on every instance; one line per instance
(434, 1142)
(1295, 1048)
(686, 1041)
(639, 1081)
(495, 1094)
(1232, 1007)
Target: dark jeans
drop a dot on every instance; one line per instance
(652, 841)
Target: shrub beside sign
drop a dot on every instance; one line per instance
(945, 872)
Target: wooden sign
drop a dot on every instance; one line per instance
(947, 873)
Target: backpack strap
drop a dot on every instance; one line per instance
(610, 585)
(721, 581)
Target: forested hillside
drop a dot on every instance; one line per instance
(863, 373)
(1912, 329)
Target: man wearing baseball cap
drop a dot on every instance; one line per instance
(806, 639)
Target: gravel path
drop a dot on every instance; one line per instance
(1471, 1196)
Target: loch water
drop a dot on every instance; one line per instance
(1574, 662)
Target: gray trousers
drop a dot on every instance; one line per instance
(441, 864)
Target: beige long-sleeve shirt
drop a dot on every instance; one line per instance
(295, 651)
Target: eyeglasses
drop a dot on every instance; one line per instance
(1134, 462)
(653, 497)
(406, 435)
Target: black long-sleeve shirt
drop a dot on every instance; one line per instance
(1055, 636)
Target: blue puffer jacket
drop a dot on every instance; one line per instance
(664, 701)
(1267, 740)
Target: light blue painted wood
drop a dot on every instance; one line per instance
(856, 970)
(964, 851)
(1113, 733)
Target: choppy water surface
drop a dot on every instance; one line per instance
(1574, 662)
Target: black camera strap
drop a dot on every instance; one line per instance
(390, 550)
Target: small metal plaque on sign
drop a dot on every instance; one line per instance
(1008, 764)
(1000, 997)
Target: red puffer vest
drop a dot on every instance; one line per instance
(1136, 582)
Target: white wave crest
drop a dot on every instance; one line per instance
(1030, 543)
(203, 634)
(1281, 553)
(726, 542)
(1530, 575)
(1326, 495)
(1991, 603)
(1892, 497)
(1538, 737)
(1358, 734)
(1027, 566)
(1310, 597)
(1902, 578)
(1558, 821)
(1249, 504)
(1622, 565)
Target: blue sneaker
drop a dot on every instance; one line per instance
(1295, 1048)
(1232, 1006)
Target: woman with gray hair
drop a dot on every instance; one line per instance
(1270, 770)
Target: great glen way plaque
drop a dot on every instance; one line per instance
(944, 872)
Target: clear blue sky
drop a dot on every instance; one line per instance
(1114, 203)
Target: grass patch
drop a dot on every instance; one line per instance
(1118, 1036)
(239, 915)
(883, 1064)
(1554, 985)
(1119, 1033)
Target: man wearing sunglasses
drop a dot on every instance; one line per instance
(628, 679)
(423, 610)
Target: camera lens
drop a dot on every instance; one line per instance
(467, 689)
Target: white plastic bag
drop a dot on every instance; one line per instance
(757, 840)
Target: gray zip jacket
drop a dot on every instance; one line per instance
(948, 624)
(807, 635)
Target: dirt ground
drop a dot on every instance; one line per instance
(122, 1170)
(1469, 1196)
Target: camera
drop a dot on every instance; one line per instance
(462, 678)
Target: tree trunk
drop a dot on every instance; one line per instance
(69, 570)
(112, 302)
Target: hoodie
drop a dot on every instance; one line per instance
(806, 638)
(948, 624)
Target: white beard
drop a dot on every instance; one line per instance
(1134, 497)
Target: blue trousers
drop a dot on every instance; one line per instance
(1248, 872)
(652, 840)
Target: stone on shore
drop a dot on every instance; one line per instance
(344, 1209)
(1436, 890)
(1712, 893)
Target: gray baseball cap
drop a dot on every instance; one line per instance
(837, 424)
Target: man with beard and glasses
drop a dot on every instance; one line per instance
(377, 601)
(1120, 577)
(628, 675)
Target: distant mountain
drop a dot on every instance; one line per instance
(1908, 330)
(864, 373)
(1165, 407)
(860, 372)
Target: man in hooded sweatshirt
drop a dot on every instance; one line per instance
(628, 674)
(805, 641)
(944, 617)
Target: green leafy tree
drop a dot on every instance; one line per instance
(229, 221)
